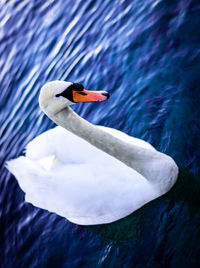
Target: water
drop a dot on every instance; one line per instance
(146, 54)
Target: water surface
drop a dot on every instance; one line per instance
(146, 54)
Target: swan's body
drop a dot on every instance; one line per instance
(98, 175)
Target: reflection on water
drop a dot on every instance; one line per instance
(146, 54)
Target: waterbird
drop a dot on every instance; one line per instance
(86, 173)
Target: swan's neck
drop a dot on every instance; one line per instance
(131, 155)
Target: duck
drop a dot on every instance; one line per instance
(87, 173)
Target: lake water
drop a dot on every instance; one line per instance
(146, 54)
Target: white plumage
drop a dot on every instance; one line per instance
(70, 176)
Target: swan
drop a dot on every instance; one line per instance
(86, 173)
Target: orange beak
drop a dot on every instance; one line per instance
(89, 96)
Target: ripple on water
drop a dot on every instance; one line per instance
(146, 54)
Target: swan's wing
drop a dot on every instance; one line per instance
(64, 146)
(43, 145)
(60, 145)
(84, 194)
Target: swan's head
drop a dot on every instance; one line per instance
(57, 95)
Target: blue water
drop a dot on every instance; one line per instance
(147, 55)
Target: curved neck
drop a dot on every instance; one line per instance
(129, 154)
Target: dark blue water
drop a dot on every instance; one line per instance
(147, 55)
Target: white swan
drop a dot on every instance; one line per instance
(96, 176)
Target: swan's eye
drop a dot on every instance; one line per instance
(65, 93)
(68, 92)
